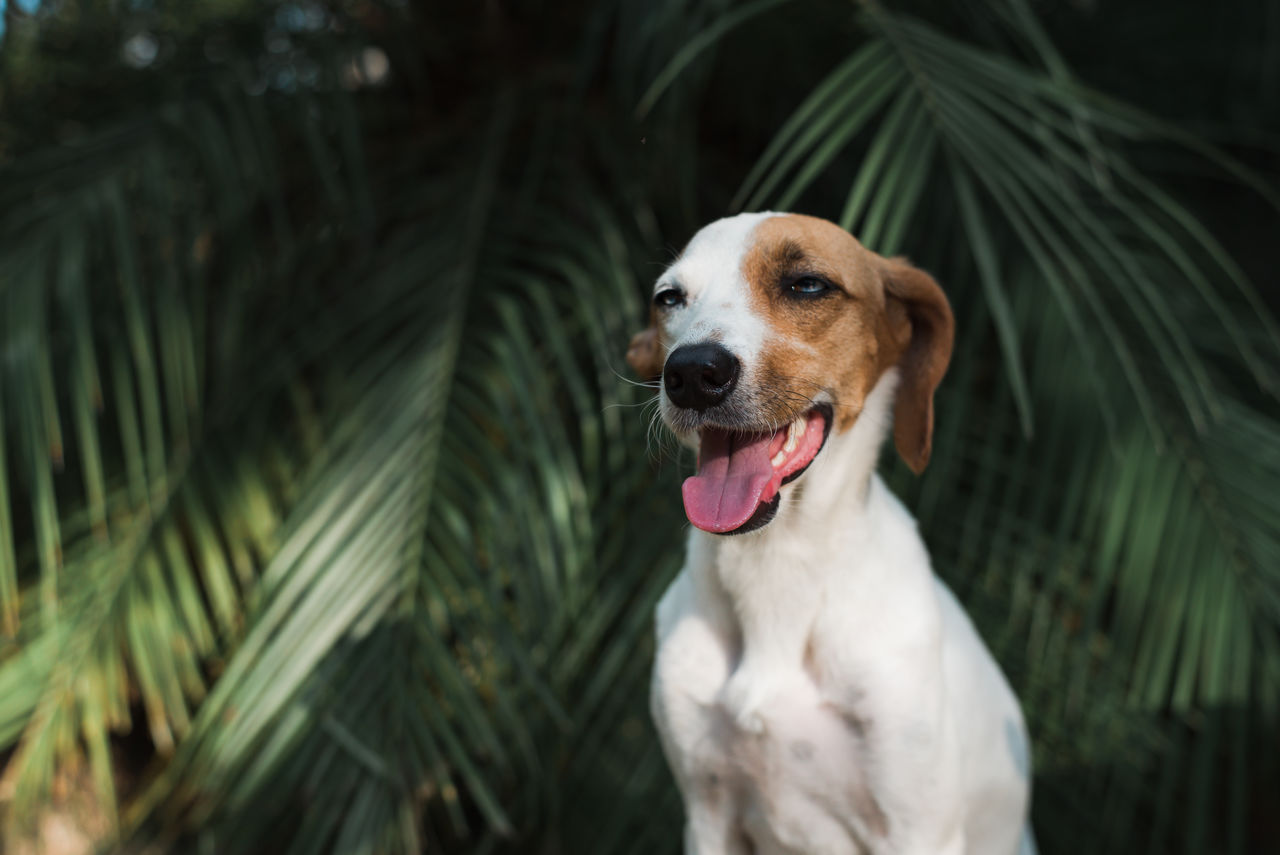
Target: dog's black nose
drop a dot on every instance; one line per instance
(698, 376)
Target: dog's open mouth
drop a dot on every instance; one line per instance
(740, 472)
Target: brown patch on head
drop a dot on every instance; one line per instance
(645, 353)
(877, 313)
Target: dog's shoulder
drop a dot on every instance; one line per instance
(676, 601)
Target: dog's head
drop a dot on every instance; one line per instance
(769, 333)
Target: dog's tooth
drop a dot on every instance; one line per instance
(793, 437)
(778, 459)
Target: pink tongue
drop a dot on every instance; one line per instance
(734, 478)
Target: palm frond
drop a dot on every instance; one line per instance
(143, 573)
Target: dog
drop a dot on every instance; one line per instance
(816, 688)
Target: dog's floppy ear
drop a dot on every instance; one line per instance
(924, 360)
(644, 354)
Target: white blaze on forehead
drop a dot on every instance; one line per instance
(716, 293)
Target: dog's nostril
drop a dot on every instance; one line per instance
(717, 373)
(698, 376)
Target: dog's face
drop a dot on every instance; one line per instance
(769, 332)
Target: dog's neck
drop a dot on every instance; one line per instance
(771, 580)
(836, 488)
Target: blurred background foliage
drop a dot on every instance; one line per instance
(330, 522)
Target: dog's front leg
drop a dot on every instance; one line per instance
(913, 758)
(712, 827)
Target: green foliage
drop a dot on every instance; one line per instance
(329, 521)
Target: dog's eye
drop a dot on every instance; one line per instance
(668, 298)
(809, 285)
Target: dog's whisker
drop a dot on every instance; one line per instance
(623, 405)
(643, 384)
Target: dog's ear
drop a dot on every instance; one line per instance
(924, 359)
(644, 354)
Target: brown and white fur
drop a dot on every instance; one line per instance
(817, 688)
